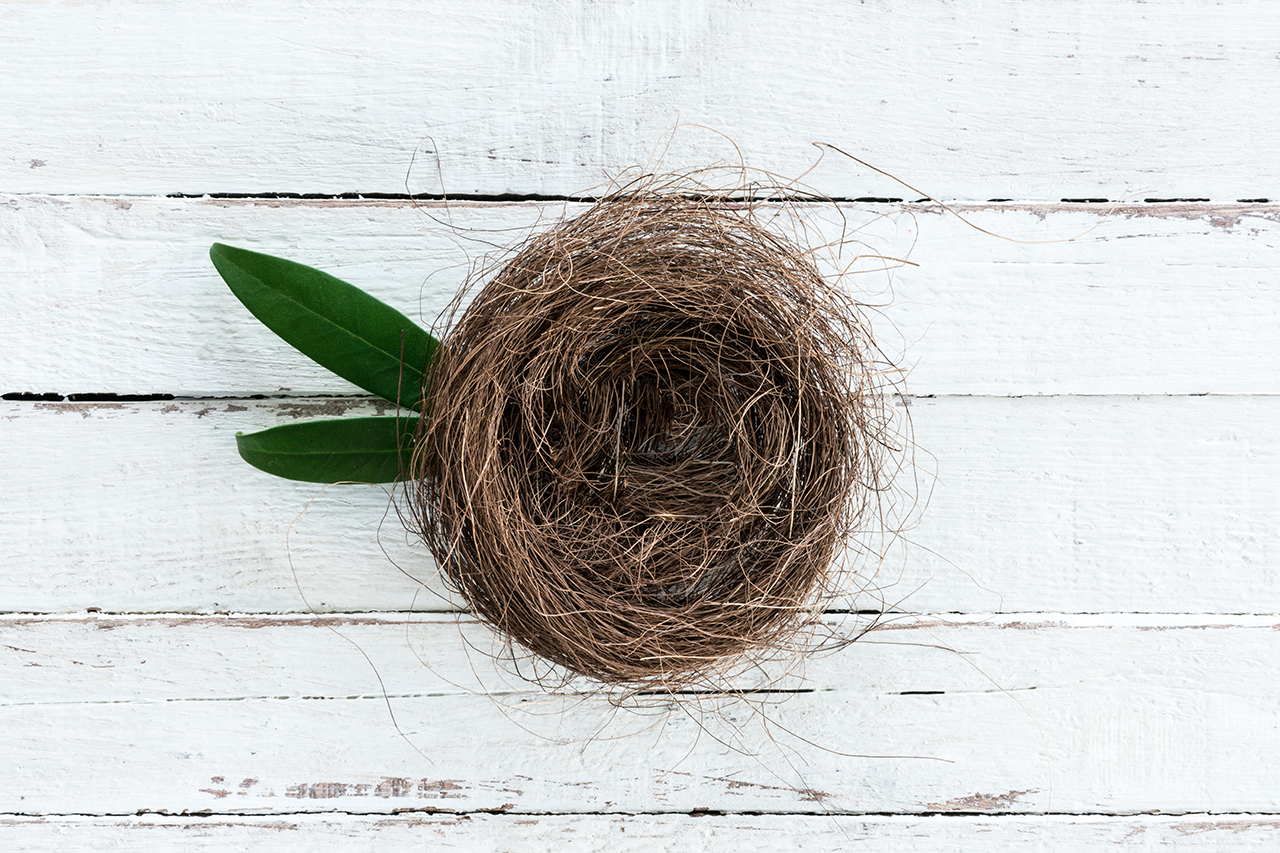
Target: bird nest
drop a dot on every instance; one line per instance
(655, 429)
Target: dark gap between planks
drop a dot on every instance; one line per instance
(542, 197)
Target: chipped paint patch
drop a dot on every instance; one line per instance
(980, 802)
(389, 787)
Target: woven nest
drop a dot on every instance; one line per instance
(654, 429)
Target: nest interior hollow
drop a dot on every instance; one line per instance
(651, 432)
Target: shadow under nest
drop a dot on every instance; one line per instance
(654, 429)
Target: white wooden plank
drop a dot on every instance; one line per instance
(1036, 100)
(1103, 504)
(173, 519)
(481, 833)
(1053, 503)
(1066, 715)
(73, 659)
(118, 295)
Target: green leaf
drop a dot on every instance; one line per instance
(337, 325)
(365, 450)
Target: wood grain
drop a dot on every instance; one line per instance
(1054, 503)
(118, 295)
(482, 833)
(1005, 99)
(985, 714)
(1070, 471)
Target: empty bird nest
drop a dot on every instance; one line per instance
(656, 427)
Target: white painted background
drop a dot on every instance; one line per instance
(1084, 646)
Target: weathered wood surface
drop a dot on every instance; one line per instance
(1008, 99)
(1101, 714)
(1111, 498)
(487, 833)
(1051, 503)
(117, 295)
